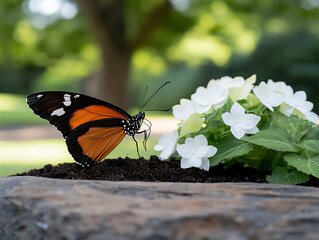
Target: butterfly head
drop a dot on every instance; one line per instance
(140, 117)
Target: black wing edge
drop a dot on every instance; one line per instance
(72, 139)
(44, 103)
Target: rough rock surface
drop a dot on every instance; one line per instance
(42, 208)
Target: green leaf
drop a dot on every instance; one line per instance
(313, 132)
(192, 124)
(295, 126)
(281, 175)
(260, 158)
(230, 147)
(276, 139)
(311, 146)
(307, 165)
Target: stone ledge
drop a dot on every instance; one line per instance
(42, 208)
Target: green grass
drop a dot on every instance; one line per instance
(15, 111)
(20, 156)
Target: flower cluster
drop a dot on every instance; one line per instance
(227, 110)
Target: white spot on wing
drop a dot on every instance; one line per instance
(58, 112)
(76, 96)
(67, 103)
(67, 100)
(39, 96)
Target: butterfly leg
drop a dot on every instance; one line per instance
(138, 152)
(146, 136)
(144, 165)
(146, 132)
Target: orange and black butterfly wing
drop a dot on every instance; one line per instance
(92, 141)
(92, 128)
(66, 110)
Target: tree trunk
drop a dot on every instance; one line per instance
(106, 18)
(113, 83)
(107, 24)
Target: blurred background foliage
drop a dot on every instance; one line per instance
(49, 45)
(112, 49)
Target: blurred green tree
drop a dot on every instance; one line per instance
(120, 31)
(209, 38)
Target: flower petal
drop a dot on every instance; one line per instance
(201, 140)
(190, 141)
(184, 150)
(253, 130)
(166, 153)
(300, 96)
(248, 121)
(184, 110)
(186, 163)
(220, 104)
(274, 99)
(202, 151)
(201, 96)
(228, 119)
(211, 151)
(202, 108)
(205, 164)
(237, 110)
(306, 107)
(237, 131)
(158, 147)
(195, 161)
(180, 113)
(312, 117)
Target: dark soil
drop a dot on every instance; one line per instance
(151, 170)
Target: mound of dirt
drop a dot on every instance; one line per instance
(151, 170)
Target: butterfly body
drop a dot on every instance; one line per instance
(91, 127)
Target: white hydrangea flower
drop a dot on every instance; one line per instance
(228, 82)
(312, 117)
(214, 95)
(271, 94)
(298, 101)
(242, 91)
(195, 152)
(167, 144)
(239, 122)
(184, 110)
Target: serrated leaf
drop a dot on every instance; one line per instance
(230, 147)
(295, 126)
(309, 166)
(281, 175)
(276, 139)
(311, 146)
(313, 132)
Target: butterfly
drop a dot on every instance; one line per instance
(92, 128)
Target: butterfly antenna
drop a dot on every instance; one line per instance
(153, 95)
(140, 109)
(157, 110)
